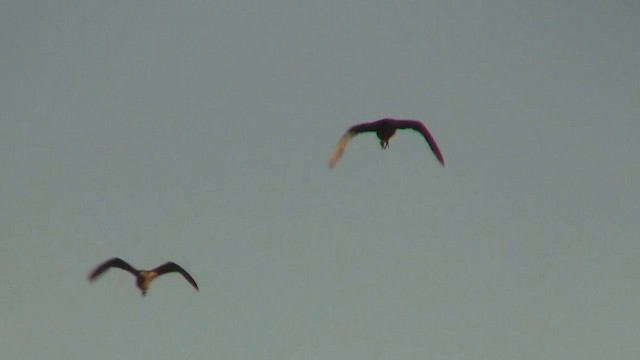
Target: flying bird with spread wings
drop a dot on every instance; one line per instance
(143, 277)
(385, 129)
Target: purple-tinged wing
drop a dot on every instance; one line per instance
(350, 133)
(419, 127)
(342, 144)
(365, 127)
(170, 267)
(113, 262)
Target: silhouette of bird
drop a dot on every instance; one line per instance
(143, 277)
(385, 129)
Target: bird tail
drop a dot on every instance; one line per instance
(342, 144)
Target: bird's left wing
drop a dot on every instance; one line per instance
(419, 127)
(113, 262)
(351, 132)
(342, 144)
(170, 267)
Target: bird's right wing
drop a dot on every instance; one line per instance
(419, 127)
(170, 267)
(113, 262)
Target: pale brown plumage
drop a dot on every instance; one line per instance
(143, 277)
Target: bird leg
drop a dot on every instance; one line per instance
(384, 144)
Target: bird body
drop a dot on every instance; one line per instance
(385, 129)
(143, 277)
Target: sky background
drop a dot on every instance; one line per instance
(199, 132)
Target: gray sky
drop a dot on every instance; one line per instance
(200, 132)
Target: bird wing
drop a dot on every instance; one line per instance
(113, 262)
(365, 127)
(344, 139)
(419, 127)
(170, 267)
(342, 144)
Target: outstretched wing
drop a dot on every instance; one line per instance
(342, 144)
(344, 139)
(113, 262)
(366, 127)
(170, 267)
(419, 127)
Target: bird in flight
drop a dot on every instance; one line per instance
(143, 277)
(385, 129)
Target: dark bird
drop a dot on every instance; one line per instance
(385, 129)
(143, 277)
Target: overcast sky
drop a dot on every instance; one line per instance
(199, 132)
